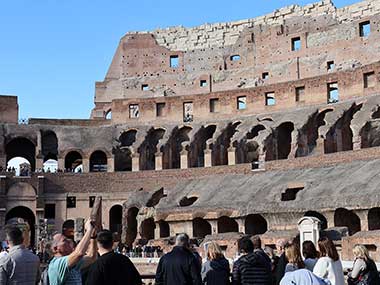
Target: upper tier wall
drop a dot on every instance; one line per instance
(8, 109)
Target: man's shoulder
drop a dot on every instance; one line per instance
(4, 258)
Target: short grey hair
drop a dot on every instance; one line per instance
(182, 240)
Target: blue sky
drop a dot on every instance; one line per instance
(53, 51)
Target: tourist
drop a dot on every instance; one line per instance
(279, 271)
(216, 270)
(252, 267)
(364, 268)
(329, 265)
(310, 254)
(110, 267)
(256, 241)
(65, 267)
(19, 266)
(293, 255)
(179, 266)
(302, 277)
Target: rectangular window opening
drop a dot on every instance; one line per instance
(365, 29)
(270, 99)
(203, 83)
(134, 111)
(296, 44)
(241, 102)
(188, 112)
(174, 61)
(290, 194)
(369, 79)
(265, 75)
(160, 107)
(235, 57)
(300, 94)
(49, 211)
(71, 202)
(332, 93)
(214, 105)
(145, 87)
(330, 65)
(91, 201)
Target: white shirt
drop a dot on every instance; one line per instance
(326, 268)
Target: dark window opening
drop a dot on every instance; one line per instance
(241, 102)
(290, 194)
(330, 65)
(160, 107)
(188, 112)
(174, 61)
(300, 94)
(49, 211)
(296, 44)
(203, 83)
(145, 87)
(265, 75)
(71, 202)
(91, 201)
(365, 29)
(134, 111)
(185, 202)
(332, 93)
(369, 79)
(235, 57)
(270, 99)
(214, 105)
(371, 247)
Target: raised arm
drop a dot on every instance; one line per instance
(82, 246)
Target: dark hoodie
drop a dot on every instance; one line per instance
(216, 272)
(252, 269)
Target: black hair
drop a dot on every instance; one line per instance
(105, 239)
(246, 245)
(14, 235)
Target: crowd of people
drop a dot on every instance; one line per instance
(96, 260)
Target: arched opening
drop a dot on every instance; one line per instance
(122, 152)
(164, 229)
(50, 165)
(374, 219)
(319, 216)
(247, 148)
(14, 215)
(201, 228)
(346, 218)
(98, 161)
(49, 145)
(116, 215)
(279, 144)
(173, 148)
(20, 166)
(73, 162)
(68, 229)
(148, 149)
(187, 201)
(198, 145)
(227, 225)
(339, 137)
(147, 229)
(108, 115)
(21, 147)
(255, 224)
(156, 198)
(223, 142)
(131, 227)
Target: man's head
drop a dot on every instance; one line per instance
(13, 235)
(182, 240)
(62, 246)
(246, 245)
(105, 239)
(256, 240)
(280, 246)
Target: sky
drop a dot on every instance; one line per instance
(53, 51)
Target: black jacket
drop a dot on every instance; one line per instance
(252, 269)
(178, 267)
(216, 272)
(115, 269)
(279, 271)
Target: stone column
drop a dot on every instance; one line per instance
(61, 163)
(320, 147)
(214, 226)
(363, 216)
(39, 162)
(135, 162)
(86, 165)
(207, 158)
(262, 155)
(231, 155)
(158, 160)
(157, 231)
(241, 223)
(356, 142)
(184, 159)
(111, 164)
(40, 192)
(330, 219)
(39, 158)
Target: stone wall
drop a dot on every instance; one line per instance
(8, 109)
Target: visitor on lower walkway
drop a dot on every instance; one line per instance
(293, 255)
(110, 267)
(216, 270)
(302, 277)
(310, 254)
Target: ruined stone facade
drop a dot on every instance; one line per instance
(238, 127)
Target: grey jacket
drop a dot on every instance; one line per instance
(19, 267)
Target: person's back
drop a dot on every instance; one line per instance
(327, 268)
(301, 277)
(216, 272)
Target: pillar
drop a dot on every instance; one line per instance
(157, 231)
(208, 158)
(39, 158)
(231, 155)
(363, 216)
(39, 162)
(61, 163)
(330, 219)
(158, 160)
(184, 159)
(320, 146)
(111, 164)
(356, 142)
(86, 165)
(40, 192)
(214, 227)
(135, 162)
(241, 223)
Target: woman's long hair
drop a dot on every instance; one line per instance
(293, 254)
(327, 248)
(214, 251)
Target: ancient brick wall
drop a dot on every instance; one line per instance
(8, 109)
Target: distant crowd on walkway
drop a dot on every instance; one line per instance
(95, 260)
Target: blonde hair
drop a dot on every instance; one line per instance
(293, 254)
(360, 251)
(214, 251)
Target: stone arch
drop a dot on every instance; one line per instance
(21, 189)
(73, 159)
(201, 228)
(148, 149)
(164, 229)
(115, 218)
(227, 225)
(374, 219)
(223, 142)
(339, 137)
(172, 149)
(21, 147)
(198, 145)
(49, 145)
(347, 218)
(319, 216)
(98, 161)
(247, 150)
(147, 229)
(25, 214)
(122, 152)
(255, 224)
(279, 144)
(131, 226)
